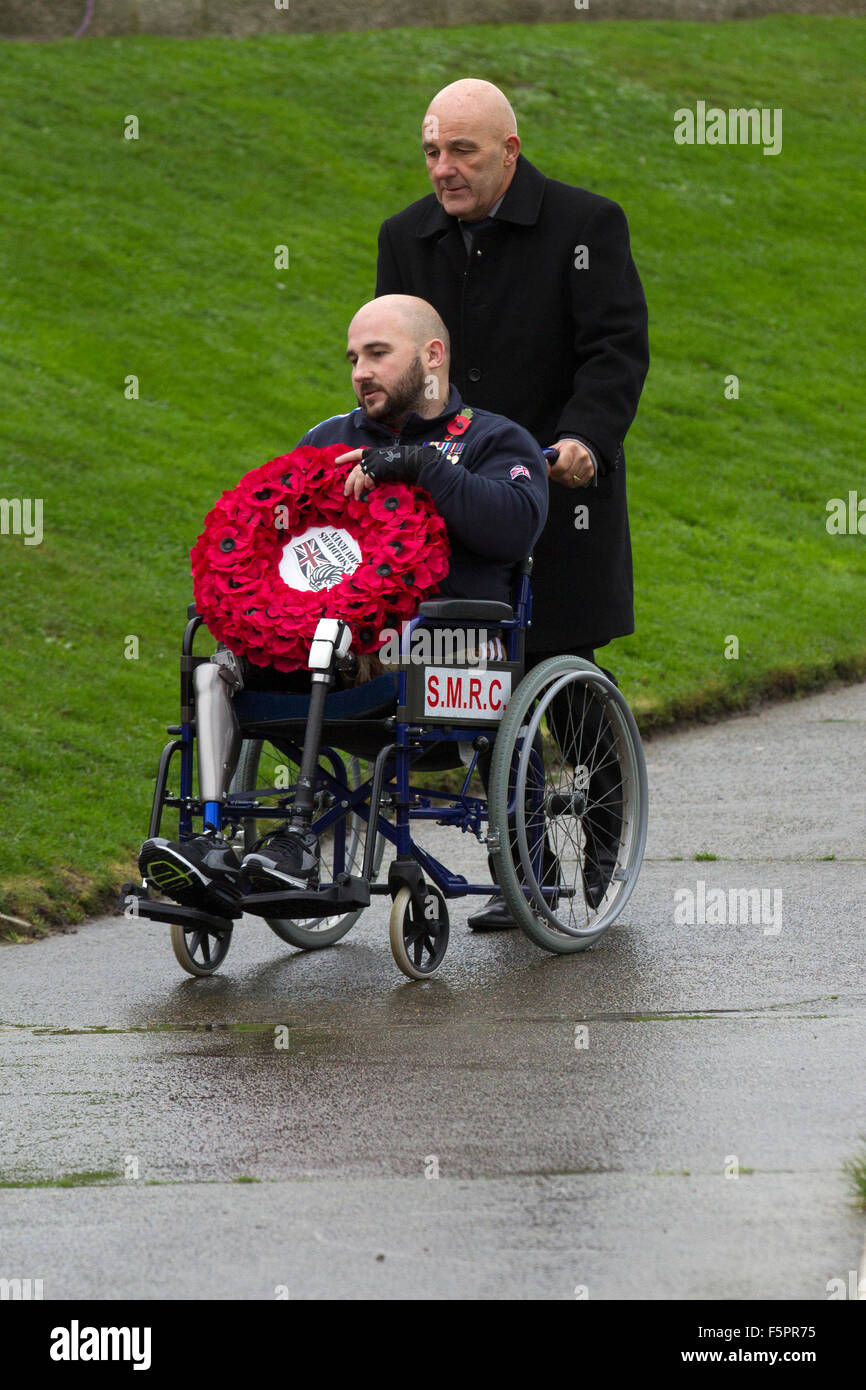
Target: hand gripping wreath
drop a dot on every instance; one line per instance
(285, 548)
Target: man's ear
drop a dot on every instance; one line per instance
(512, 149)
(435, 353)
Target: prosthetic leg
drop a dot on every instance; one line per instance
(291, 856)
(204, 872)
(218, 735)
(281, 878)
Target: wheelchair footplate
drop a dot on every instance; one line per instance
(135, 901)
(346, 895)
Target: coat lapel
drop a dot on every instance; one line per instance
(452, 246)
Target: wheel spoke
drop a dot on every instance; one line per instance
(411, 936)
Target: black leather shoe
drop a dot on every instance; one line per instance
(494, 916)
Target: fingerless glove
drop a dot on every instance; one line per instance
(397, 463)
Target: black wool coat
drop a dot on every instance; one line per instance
(548, 326)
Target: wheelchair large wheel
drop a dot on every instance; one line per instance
(263, 766)
(200, 950)
(568, 804)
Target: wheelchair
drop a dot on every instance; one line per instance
(563, 818)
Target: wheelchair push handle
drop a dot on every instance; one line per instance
(551, 455)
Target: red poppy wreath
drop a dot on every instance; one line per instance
(285, 548)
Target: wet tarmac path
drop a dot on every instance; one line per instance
(662, 1116)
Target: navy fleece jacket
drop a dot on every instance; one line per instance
(489, 484)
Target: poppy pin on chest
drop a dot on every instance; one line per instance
(460, 423)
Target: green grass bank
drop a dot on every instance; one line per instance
(155, 258)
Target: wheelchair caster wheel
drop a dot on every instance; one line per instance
(200, 950)
(419, 940)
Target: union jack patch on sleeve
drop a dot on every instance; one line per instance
(518, 471)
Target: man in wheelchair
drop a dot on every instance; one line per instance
(488, 479)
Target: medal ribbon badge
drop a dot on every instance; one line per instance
(450, 447)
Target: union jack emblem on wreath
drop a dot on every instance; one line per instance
(310, 557)
(320, 570)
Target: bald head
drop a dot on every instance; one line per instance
(412, 317)
(399, 350)
(471, 146)
(477, 101)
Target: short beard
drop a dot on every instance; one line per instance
(407, 395)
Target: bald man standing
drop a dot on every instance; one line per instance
(536, 284)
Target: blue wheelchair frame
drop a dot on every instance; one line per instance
(410, 741)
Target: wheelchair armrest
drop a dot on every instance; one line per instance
(461, 609)
(191, 611)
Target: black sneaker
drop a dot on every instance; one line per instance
(203, 872)
(289, 859)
